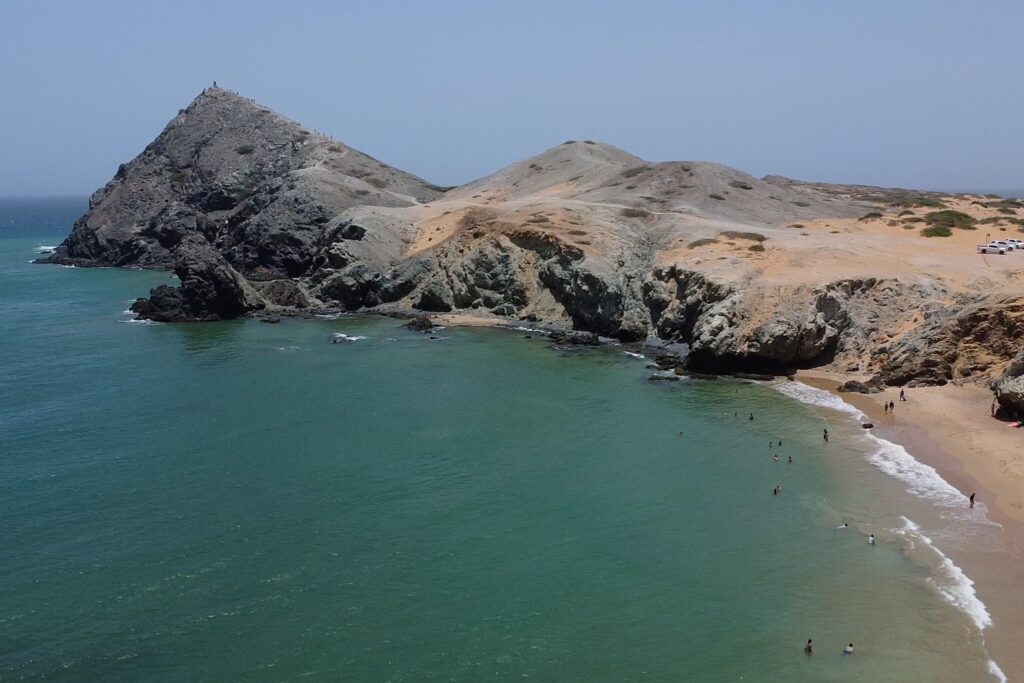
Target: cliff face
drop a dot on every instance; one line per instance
(257, 214)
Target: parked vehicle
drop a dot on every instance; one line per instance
(1016, 244)
(991, 249)
(1003, 244)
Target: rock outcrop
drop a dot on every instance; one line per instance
(715, 268)
(1009, 389)
(210, 289)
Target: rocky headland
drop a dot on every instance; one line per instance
(725, 272)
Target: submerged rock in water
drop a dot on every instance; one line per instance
(420, 323)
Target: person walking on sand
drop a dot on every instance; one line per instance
(972, 500)
(903, 394)
(825, 435)
(809, 647)
(892, 406)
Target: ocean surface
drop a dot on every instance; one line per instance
(243, 501)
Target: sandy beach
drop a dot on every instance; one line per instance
(951, 429)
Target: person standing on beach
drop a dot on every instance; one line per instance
(885, 407)
(825, 436)
(972, 500)
(903, 394)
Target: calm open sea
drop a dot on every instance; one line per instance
(243, 501)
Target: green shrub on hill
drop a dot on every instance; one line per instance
(936, 231)
(951, 219)
(737, 235)
(700, 243)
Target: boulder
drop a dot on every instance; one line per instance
(855, 386)
(420, 323)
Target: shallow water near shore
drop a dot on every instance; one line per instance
(243, 501)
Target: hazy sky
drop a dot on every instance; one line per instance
(925, 94)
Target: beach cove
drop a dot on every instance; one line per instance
(249, 500)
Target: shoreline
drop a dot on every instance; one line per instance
(936, 426)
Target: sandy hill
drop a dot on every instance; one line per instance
(257, 213)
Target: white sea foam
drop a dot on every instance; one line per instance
(817, 397)
(950, 581)
(289, 348)
(45, 249)
(994, 669)
(638, 356)
(140, 321)
(922, 480)
(342, 337)
(521, 328)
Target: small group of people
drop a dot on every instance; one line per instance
(845, 525)
(809, 648)
(889, 407)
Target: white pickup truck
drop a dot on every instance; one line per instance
(1002, 243)
(1017, 244)
(991, 249)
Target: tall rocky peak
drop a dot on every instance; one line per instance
(257, 185)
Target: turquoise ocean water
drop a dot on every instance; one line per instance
(243, 501)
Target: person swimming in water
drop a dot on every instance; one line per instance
(789, 459)
(848, 650)
(871, 539)
(809, 647)
(751, 417)
(776, 490)
(775, 458)
(825, 435)
(842, 526)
